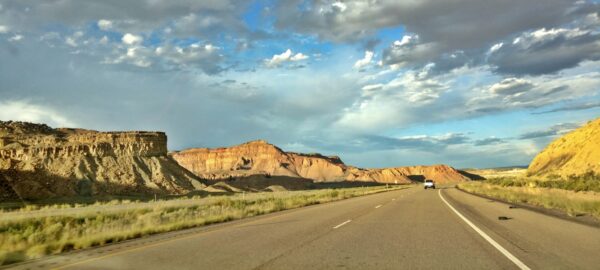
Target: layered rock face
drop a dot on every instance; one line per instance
(575, 153)
(37, 161)
(260, 157)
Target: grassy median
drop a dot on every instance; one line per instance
(576, 197)
(38, 234)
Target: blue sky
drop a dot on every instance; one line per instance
(380, 83)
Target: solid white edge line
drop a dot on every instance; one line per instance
(377, 206)
(342, 224)
(511, 257)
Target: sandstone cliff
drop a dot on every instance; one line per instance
(260, 157)
(37, 161)
(575, 153)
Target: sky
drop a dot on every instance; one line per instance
(380, 83)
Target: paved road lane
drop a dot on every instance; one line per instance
(405, 229)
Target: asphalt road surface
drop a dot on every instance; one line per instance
(404, 229)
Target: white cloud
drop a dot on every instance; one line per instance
(340, 5)
(72, 40)
(496, 47)
(365, 61)
(131, 39)
(105, 25)
(372, 87)
(286, 56)
(405, 40)
(104, 40)
(3, 29)
(205, 57)
(395, 102)
(510, 86)
(543, 34)
(298, 57)
(16, 38)
(137, 56)
(25, 111)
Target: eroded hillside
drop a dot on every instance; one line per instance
(262, 158)
(575, 153)
(37, 161)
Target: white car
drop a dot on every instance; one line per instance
(429, 184)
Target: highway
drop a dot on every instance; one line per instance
(404, 229)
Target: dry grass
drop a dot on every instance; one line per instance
(37, 233)
(572, 202)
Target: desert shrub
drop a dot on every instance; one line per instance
(569, 200)
(585, 182)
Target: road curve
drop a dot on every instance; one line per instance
(412, 228)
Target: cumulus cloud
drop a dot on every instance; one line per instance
(205, 57)
(19, 110)
(73, 39)
(4, 29)
(511, 86)
(440, 29)
(287, 56)
(449, 64)
(409, 50)
(531, 92)
(496, 47)
(137, 56)
(544, 51)
(364, 61)
(455, 24)
(398, 101)
(131, 39)
(130, 16)
(16, 38)
(104, 25)
(372, 87)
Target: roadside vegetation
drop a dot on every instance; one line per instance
(586, 182)
(34, 232)
(574, 195)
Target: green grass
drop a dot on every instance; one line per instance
(38, 234)
(540, 194)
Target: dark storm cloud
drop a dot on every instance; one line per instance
(546, 51)
(204, 18)
(458, 24)
(452, 34)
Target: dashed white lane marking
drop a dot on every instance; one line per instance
(342, 224)
(495, 244)
(377, 206)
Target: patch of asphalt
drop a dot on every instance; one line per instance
(584, 219)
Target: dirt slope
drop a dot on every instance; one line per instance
(575, 153)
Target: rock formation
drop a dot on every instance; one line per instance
(262, 158)
(575, 153)
(37, 161)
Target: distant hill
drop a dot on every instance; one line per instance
(575, 153)
(262, 158)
